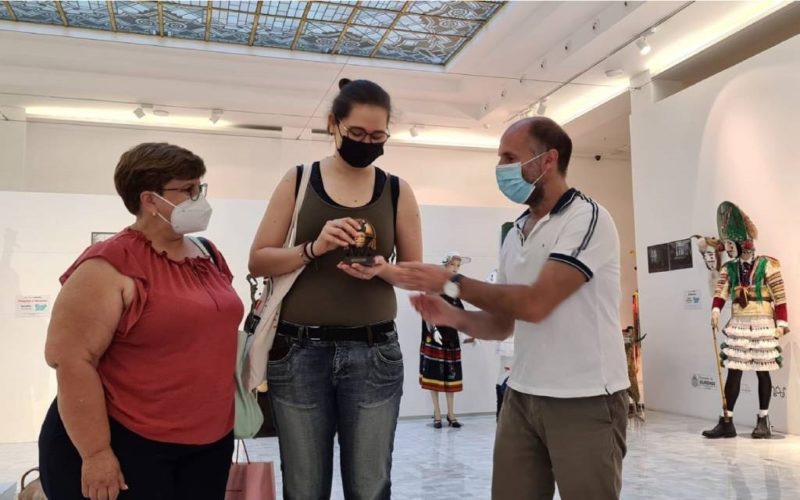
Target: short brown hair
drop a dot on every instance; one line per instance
(150, 166)
(551, 136)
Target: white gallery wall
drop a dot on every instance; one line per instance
(64, 190)
(80, 158)
(731, 137)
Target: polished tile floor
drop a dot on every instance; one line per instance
(667, 459)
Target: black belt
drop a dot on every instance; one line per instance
(372, 334)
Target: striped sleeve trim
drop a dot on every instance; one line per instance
(572, 261)
(592, 226)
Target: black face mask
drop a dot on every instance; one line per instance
(359, 154)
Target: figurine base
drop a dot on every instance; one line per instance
(362, 261)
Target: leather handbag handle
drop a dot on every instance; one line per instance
(22, 484)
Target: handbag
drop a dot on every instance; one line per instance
(250, 480)
(248, 417)
(268, 427)
(267, 313)
(32, 490)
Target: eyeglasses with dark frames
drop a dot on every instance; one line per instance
(359, 134)
(195, 192)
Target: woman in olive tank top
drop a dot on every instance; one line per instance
(336, 365)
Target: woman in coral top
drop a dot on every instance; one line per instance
(143, 341)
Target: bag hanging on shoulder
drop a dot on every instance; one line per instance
(248, 417)
(267, 313)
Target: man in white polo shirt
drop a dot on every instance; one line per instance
(564, 416)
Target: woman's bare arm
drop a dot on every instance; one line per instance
(408, 235)
(85, 317)
(268, 257)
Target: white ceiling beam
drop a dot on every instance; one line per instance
(584, 37)
(542, 68)
(12, 113)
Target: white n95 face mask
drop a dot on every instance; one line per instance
(191, 216)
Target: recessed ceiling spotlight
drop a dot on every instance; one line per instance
(542, 108)
(142, 110)
(644, 47)
(216, 114)
(530, 112)
(161, 112)
(613, 73)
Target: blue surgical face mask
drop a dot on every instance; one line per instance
(513, 184)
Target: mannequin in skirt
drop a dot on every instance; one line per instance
(440, 356)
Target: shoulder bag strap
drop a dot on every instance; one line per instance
(205, 246)
(301, 194)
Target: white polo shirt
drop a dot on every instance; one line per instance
(578, 350)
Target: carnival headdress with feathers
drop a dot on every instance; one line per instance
(734, 225)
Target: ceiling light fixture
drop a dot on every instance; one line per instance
(542, 108)
(120, 115)
(644, 47)
(613, 73)
(161, 112)
(413, 131)
(740, 15)
(451, 137)
(216, 114)
(142, 110)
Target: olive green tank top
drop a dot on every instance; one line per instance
(325, 296)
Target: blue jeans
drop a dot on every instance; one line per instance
(321, 388)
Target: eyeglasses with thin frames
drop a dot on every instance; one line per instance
(195, 192)
(359, 134)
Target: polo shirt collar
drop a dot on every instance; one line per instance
(562, 203)
(565, 201)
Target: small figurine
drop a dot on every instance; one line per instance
(365, 247)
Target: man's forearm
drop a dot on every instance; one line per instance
(484, 325)
(389, 274)
(511, 301)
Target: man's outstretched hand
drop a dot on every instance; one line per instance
(436, 310)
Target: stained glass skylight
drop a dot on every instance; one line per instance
(415, 31)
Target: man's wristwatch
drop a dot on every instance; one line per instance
(452, 288)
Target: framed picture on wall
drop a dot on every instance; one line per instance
(680, 254)
(101, 236)
(658, 258)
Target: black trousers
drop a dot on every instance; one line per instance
(153, 470)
